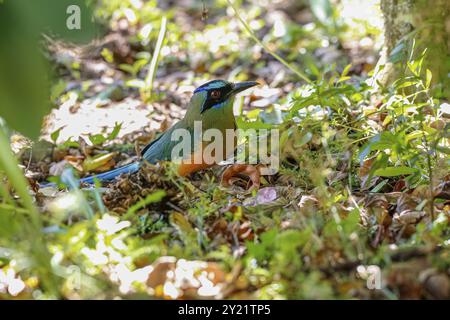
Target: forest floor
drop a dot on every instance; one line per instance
(351, 213)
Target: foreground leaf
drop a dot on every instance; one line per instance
(394, 171)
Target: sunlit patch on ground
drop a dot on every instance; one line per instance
(88, 118)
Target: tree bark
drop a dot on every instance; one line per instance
(428, 22)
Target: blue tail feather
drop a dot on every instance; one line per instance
(106, 176)
(110, 175)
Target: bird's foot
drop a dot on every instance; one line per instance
(237, 173)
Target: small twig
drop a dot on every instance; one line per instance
(204, 11)
(174, 207)
(29, 159)
(137, 150)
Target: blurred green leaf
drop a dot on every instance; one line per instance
(25, 77)
(156, 196)
(346, 70)
(394, 171)
(97, 139)
(115, 131)
(55, 134)
(428, 78)
(322, 10)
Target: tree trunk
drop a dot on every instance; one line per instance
(426, 21)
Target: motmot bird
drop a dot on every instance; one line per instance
(212, 104)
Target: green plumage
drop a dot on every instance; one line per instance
(220, 117)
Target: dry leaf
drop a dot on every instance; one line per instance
(233, 173)
(364, 175)
(98, 164)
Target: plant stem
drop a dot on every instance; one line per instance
(430, 170)
(154, 63)
(272, 53)
(9, 165)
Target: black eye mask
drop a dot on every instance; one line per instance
(211, 100)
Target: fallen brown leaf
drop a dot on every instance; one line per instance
(235, 172)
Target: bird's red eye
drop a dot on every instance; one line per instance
(215, 94)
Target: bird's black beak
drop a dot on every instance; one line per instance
(241, 86)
